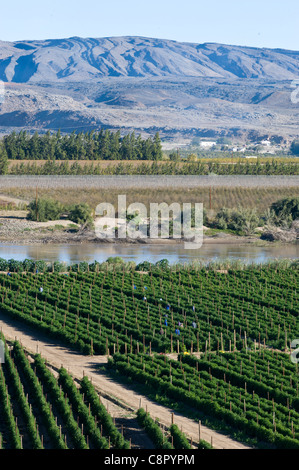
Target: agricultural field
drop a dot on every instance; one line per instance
(41, 411)
(255, 392)
(214, 192)
(215, 341)
(41, 408)
(159, 311)
(228, 166)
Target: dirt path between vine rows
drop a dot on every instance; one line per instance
(78, 365)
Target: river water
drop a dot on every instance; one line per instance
(140, 252)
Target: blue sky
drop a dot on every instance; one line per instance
(260, 23)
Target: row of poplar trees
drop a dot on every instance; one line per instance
(100, 145)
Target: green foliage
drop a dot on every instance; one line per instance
(102, 145)
(295, 147)
(240, 220)
(100, 412)
(144, 266)
(148, 166)
(61, 402)
(179, 439)
(37, 392)
(43, 210)
(286, 208)
(222, 392)
(81, 214)
(3, 159)
(38, 397)
(119, 308)
(175, 156)
(78, 405)
(115, 260)
(153, 430)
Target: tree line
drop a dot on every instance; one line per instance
(66, 167)
(100, 145)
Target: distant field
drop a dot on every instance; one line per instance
(214, 193)
(122, 182)
(106, 163)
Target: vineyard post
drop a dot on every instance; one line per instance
(199, 423)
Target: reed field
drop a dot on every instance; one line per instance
(212, 197)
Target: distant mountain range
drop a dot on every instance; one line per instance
(145, 83)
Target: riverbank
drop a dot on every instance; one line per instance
(16, 229)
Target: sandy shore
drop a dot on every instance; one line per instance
(16, 229)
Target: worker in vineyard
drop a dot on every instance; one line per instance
(194, 324)
(41, 289)
(161, 331)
